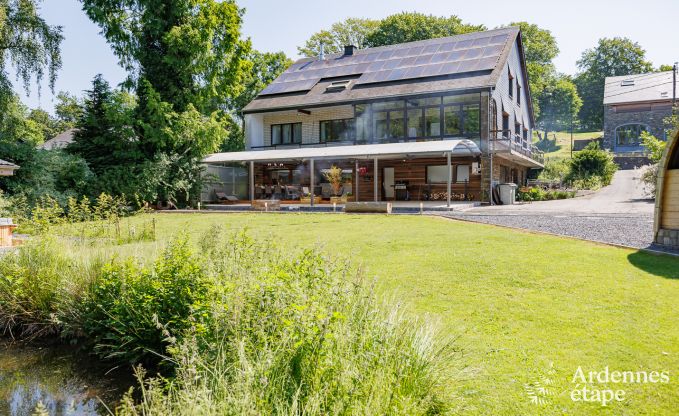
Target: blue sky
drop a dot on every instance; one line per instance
(275, 25)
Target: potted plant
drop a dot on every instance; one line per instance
(334, 177)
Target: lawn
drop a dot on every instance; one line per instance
(525, 308)
(559, 144)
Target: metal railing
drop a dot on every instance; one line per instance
(515, 142)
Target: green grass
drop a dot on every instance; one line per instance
(560, 147)
(519, 302)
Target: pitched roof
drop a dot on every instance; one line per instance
(9, 165)
(59, 141)
(655, 86)
(472, 60)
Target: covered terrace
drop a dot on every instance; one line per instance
(410, 171)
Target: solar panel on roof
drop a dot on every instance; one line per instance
(435, 57)
(391, 64)
(294, 86)
(498, 39)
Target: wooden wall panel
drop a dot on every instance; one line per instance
(670, 208)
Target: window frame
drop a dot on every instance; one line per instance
(350, 129)
(426, 174)
(518, 93)
(639, 130)
(510, 83)
(293, 140)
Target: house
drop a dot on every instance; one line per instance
(667, 199)
(634, 104)
(7, 168)
(441, 119)
(59, 141)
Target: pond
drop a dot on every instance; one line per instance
(65, 382)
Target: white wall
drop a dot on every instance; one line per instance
(254, 130)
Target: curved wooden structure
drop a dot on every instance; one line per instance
(667, 198)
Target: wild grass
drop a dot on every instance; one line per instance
(300, 334)
(238, 327)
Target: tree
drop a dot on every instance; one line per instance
(189, 51)
(412, 26)
(266, 67)
(665, 68)
(540, 48)
(104, 135)
(185, 59)
(29, 44)
(49, 125)
(560, 102)
(42, 172)
(611, 57)
(351, 31)
(68, 109)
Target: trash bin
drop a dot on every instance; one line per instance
(508, 193)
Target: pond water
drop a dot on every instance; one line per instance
(65, 382)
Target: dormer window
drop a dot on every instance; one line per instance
(338, 85)
(627, 83)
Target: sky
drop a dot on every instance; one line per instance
(276, 25)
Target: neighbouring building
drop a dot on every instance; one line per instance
(440, 119)
(59, 141)
(667, 198)
(634, 104)
(7, 168)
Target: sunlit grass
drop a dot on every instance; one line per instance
(518, 302)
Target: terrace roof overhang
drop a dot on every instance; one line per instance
(438, 148)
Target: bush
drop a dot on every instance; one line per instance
(40, 288)
(591, 163)
(555, 170)
(134, 314)
(539, 194)
(297, 335)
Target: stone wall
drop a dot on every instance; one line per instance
(652, 116)
(668, 238)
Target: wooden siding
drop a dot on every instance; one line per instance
(670, 207)
(501, 93)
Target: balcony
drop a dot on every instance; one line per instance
(515, 145)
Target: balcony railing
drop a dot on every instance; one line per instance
(516, 143)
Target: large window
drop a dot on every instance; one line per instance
(363, 123)
(629, 135)
(286, 133)
(337, 130)
(417, 118)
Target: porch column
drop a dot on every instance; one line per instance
(312, 180)
(356, 182)
(450, 179)
(375, 180)
(252, 181)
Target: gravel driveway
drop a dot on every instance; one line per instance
(632, 231)
(618, 214)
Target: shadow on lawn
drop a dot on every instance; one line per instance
(658, 264)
